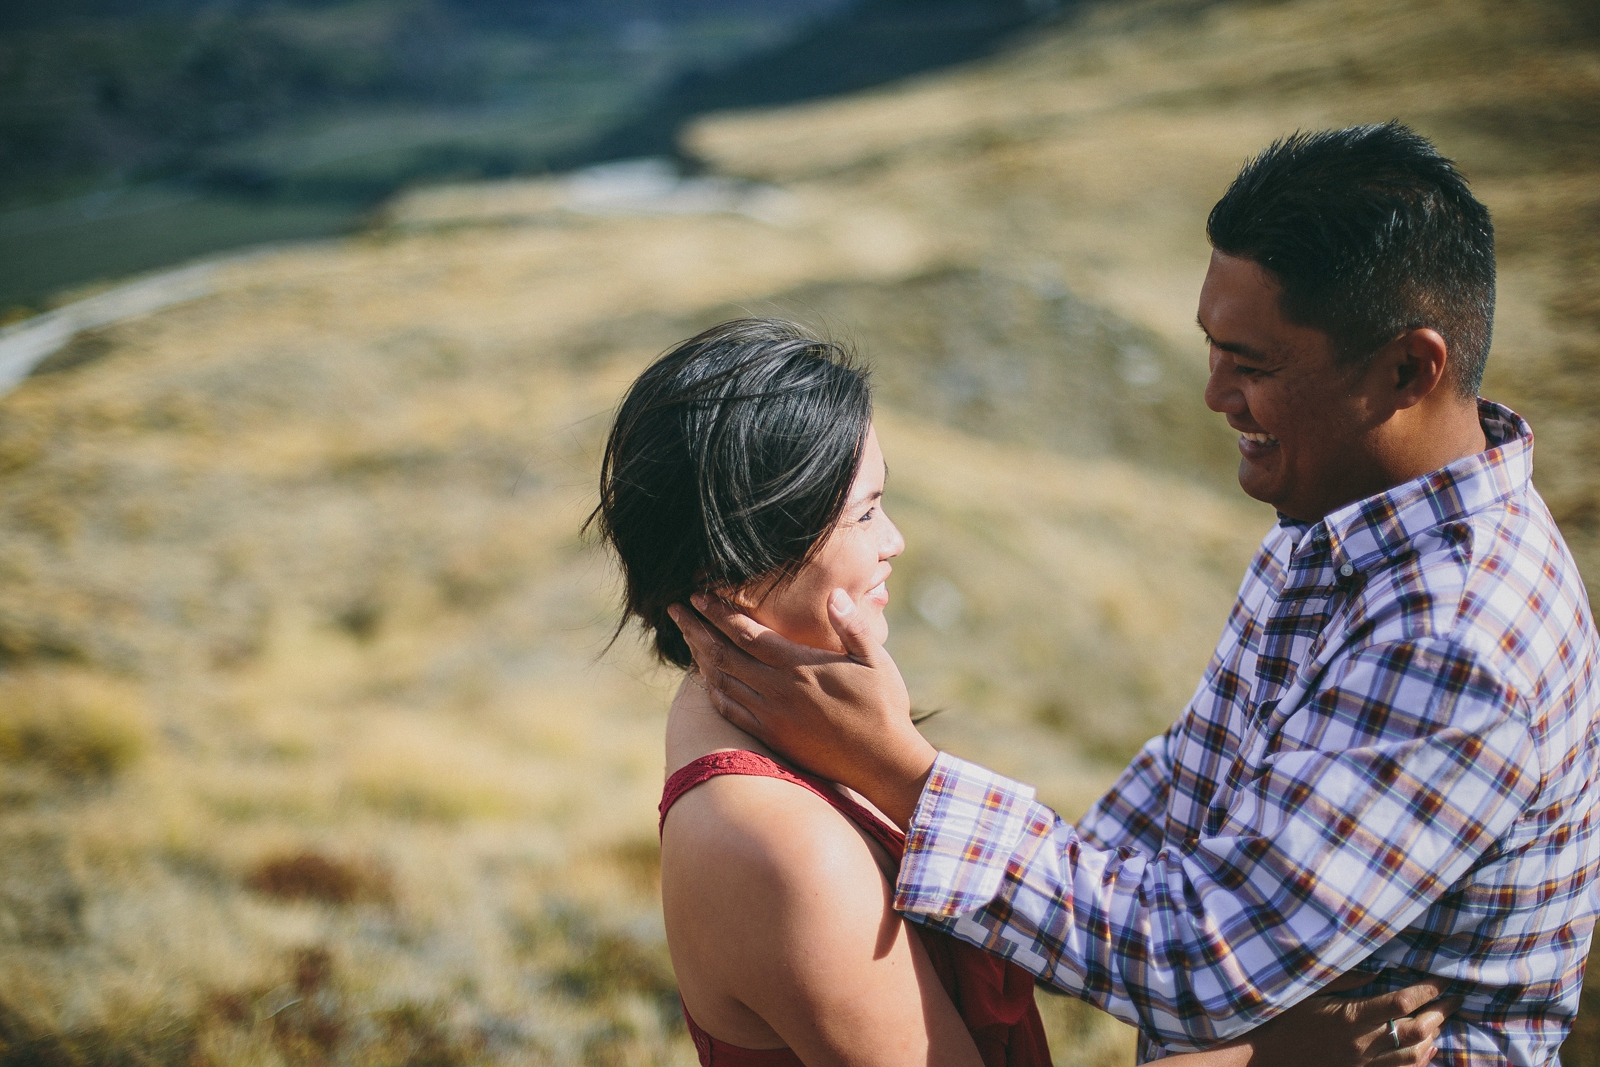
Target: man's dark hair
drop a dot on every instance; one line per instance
(1370, 232)
(730, 461)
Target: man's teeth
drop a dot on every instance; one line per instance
(1259, 438)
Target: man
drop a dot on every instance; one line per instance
(1390, 764)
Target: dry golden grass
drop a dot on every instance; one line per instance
(309, 752)
(71, 724)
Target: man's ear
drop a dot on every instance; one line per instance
(1413, 365)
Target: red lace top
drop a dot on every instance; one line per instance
(994, 998)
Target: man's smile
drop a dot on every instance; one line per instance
(1257, 445)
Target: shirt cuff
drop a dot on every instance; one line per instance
(967, 824)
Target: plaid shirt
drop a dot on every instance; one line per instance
(1388, 766)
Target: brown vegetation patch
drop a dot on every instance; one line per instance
(23, 639)
(308, 875)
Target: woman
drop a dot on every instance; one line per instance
(744, 463)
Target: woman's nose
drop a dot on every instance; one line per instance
(894, 544)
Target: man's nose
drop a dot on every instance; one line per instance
(1222, 394)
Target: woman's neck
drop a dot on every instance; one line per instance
(694, 728)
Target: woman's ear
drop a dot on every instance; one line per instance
(744, 598)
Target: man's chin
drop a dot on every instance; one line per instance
(1257, 484)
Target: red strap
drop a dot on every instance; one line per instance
(752, 764)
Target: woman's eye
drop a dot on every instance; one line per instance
(868, 516)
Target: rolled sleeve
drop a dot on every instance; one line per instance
(967, 826)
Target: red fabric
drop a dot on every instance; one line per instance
(995, 998)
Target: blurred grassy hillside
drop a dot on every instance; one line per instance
(308, 752)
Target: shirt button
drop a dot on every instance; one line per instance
(1347, 570)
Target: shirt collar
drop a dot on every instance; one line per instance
(1366, 531)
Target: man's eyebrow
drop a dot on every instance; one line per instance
(1230, 346)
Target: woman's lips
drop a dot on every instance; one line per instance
(879, 594)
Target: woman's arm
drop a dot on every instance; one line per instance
(782, 933)
(1334, 1031)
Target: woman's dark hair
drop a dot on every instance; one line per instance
(1371, 232)
(730, 460)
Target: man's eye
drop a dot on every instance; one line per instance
(1246, 371)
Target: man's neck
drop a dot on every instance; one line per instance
(1412, 444)
(1431, 439)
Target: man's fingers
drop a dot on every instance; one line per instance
(1400, 1003)
(720, 682)
(711, 648)
(851, 626)
(1416, 1032)
(741, 629)
(1412, 1056)
(1413, 1029)
(1416, 1036)
(734, 711)
(1347, 981)
(732, 698)
(762, 648)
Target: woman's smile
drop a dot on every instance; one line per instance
(855, 557)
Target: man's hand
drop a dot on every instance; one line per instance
(843, 716)
(1340, 1031)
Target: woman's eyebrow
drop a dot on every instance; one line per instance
(876, 494)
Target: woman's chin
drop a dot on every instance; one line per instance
(877, 625)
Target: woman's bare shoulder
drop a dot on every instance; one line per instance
(764, 825)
